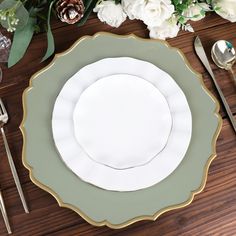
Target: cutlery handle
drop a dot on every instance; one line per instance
(14, 172)
(233, 75)
(4, 214)
(226, 105)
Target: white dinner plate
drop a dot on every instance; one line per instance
(121, 124)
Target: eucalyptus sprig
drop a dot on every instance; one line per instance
(13, 15)
(24, 18)
(181, 6)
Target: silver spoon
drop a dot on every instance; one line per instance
(224, 56)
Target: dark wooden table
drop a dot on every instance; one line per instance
(213, 212)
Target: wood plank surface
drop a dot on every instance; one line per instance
(213, 212)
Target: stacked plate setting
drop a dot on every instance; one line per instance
(119, 129)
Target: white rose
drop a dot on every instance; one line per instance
(110, 13)
(155, 12)
(227, 9)
(133, 8)
(194, 11)
(151, 12)
(168, 29)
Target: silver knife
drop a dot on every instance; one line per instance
(202, 55)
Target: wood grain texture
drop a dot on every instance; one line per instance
(213, 212)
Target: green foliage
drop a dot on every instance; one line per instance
(217, 8)
(29, 22)
(50, 39)
(89, 5)
(13, 15)
(21, 41)
(27, 17)
(180, 6)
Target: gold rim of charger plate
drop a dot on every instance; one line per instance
(139, 218)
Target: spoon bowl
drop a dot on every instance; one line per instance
(224, 56)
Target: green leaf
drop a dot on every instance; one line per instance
(23, 15)
(50, 39)
(175, 2)
(196, 16)
(21, 41)
(202, 12)
(181, 20)
(87, 3)
(217, 8)
(41, 16)
(87, 13)
(6, 4)
(20, 13)
(182, 7)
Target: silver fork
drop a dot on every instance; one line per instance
(4, 213)
(3, 121)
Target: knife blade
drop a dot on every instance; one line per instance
(202, 55)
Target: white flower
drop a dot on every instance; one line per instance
(155, 12)
(110, 13)
(151, 12)
(133, 8)
(196, 12)
(226, 9)
(168, 29)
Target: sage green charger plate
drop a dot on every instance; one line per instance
(99, 206)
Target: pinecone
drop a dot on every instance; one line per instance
(70, 11)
